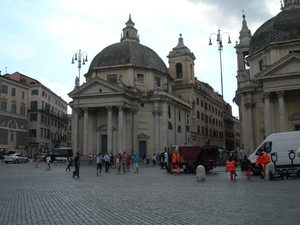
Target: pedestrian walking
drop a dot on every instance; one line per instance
(135, 160)
(128, 162)
(38, 159)
(242, 154)
(48, 161)
(230, 167)
(118, 162)
(77, 165)
(107, 162)
(90, 158)
(246, 166)
(175, 162)
(68, 163)
(99, 162)
(123, 163)
(154, 159)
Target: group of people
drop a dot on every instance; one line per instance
(246, 165)
(120, 161)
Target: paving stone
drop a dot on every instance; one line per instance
(31, 195)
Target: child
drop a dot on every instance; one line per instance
(246, 166)
(230, 167)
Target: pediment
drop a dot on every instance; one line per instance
(95, 86)
(287, 66)
(282, 75)
(143, 136)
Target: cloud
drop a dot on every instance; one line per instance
(59, 89)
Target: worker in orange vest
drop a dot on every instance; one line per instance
(230, 167)
(175, 162)
(264, 159)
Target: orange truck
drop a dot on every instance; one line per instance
(192, 156)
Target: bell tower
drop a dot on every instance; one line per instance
(181, 63)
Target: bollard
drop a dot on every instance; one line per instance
(200, 173)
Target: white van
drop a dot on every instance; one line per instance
(279, 143)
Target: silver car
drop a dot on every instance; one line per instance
(15, 158)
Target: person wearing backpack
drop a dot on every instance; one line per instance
(246, 166)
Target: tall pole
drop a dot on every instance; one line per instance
(220, 48)
(81, 57)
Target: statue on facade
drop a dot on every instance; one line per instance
(264, 59)
(76, 81)
(120, 78)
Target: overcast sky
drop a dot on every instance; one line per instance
(38, 38)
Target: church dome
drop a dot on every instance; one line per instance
(128, 53)
(281, 28)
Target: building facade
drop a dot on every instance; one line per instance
(46, 116)
(268, 76)
(132, 102)
(13, 116)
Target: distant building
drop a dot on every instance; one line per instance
(13, 116)
(132, 102)
(47, 116)
(268, 76)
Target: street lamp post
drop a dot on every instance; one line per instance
(81, 57)
(220, 48)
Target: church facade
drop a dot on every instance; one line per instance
(132, 102)
(268, 76)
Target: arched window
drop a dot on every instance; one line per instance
(179, 130)
(12, 125)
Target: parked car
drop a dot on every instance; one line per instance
(15, 158)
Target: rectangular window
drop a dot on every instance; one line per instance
(13, 92)
(13, 108)
(260, 64)
(140, 78)
(169, 111)
(179, 115)
(22, 110)
(11, 137)
(33, 105)
(32, 133)
(3, 106)
(198, 115)
(34, 92)
(4, 89)
(201, 103)
(157, 81)
(41, 132)
(23, 95)
(112, 78)
(33, 117)
(197, 101)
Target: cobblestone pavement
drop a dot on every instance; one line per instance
(32, 195)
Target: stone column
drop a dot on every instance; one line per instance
(156, 140)
(282, 117)
(75, 130)
(249, 106)
(267, 114)
(164, 127)
(109, 129)
(85, 132)
(134, 132)
(120, 130)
